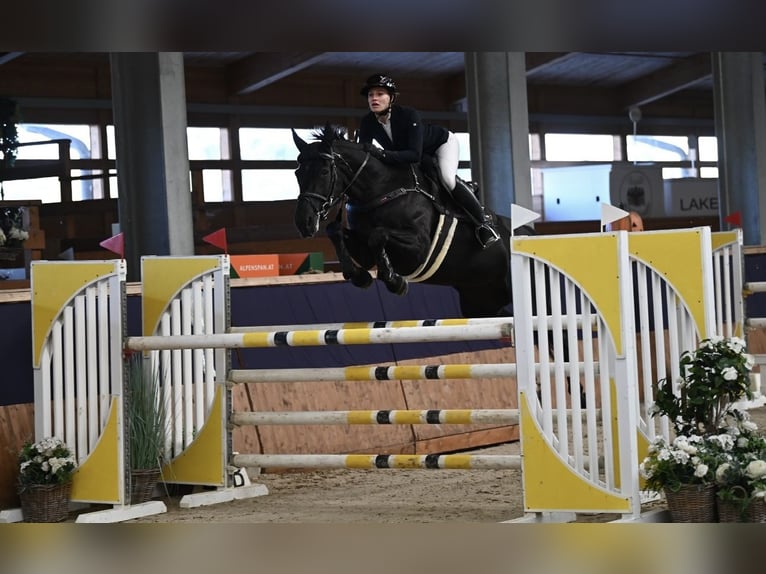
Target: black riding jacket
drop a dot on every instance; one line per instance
(412, 137)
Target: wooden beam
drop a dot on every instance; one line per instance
(264, 68)
(6, 57)
(667, 81)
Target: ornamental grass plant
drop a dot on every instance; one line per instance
(147, 417)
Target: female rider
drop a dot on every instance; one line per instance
(406, 139)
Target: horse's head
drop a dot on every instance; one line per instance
(320, 180)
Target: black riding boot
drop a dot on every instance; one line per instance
(467, 200)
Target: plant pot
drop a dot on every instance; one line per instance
(45, 502)
(731, 512)
(142, 483)
(692, 503)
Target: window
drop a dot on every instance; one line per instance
(206, 143)
(48, 189)
(269, 184)
(579, 147)
(270, 143)
(708, 148)
(657, 148)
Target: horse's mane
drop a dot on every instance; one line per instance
(330, 133)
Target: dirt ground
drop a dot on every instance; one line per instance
(380, 496)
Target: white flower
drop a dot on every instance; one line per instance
(700, 470)
(16, 233)
(721, 471)
(760, 493)
(749, 425)
(2, 237)
(742, 442)
(756, 469)
(723, 441)
(737, 344)
(729, 374)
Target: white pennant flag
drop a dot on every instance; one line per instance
(520, 216)
(609, 213)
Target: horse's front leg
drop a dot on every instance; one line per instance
(358, 276)
(394, 282)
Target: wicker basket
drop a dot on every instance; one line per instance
(142, 483)
(730, 512)
(692, 503)
(45, 502)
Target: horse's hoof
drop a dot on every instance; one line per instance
(361, 280)
(398, 286)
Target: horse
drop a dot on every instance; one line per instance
(400, 221)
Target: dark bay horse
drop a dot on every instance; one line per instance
(398, 221)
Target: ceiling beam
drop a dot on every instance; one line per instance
(6, 57)
(532, 61)
(264, 68)
(666, 81)
(538, 60)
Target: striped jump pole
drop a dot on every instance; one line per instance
(320, 337)
(385, 373)
(375, 324)
(391, 324)
(379, 461)
(382, 417)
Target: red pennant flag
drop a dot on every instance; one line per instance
(217, 238)
(734, 218)
(115, 244)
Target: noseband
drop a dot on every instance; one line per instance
(332, 199)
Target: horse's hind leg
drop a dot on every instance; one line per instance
(358, 276)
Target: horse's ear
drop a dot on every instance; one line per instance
(299, 143)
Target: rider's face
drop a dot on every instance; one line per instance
(378, 99)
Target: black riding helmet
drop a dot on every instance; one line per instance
(379, 81)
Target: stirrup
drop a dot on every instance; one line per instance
(486, 235)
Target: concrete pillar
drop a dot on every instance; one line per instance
(149, 106)
(498, 122)
(740, 125)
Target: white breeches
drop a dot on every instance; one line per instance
(447, 156)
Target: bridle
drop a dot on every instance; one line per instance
(333, 198)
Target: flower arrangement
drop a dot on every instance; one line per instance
(740, 475)
(685, 460)
(48, 461)
(713, 377)
(12, 233)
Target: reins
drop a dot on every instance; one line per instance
(332, 199)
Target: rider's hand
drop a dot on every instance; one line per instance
(374, 151)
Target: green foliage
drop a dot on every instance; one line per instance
(713, 377)
(9, 137)
(48, 461)
(147, 420)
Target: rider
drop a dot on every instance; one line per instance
(405, 139)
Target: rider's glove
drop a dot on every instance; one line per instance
(375, 151)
